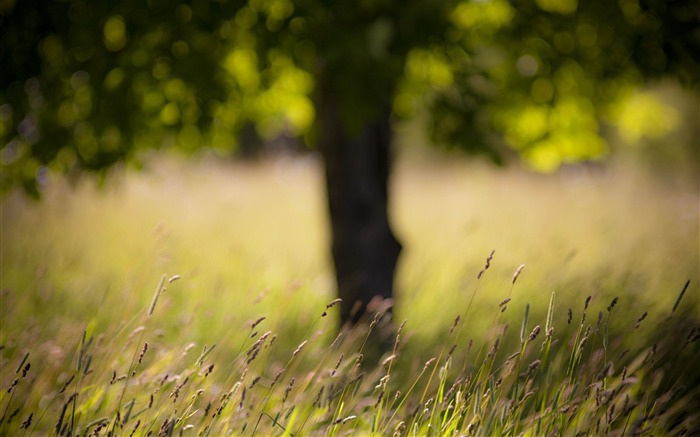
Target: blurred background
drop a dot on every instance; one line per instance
(544, 82)
(143, 137)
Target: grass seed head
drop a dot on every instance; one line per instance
(454, 324)
(517, 273)
(14, 383)
(255, 381)
(160, 289)
(299, 348)
(317, 399)
(583, 342)
(253, 355)
(401, 326)
(257, 322)
(27, 423)
(494, 348)
(336, 340)
(143, 352)
(488, 264)
(379, 399)
(640, 319)
(611, 413)
(400, 428)
(277, 377)
(209, 370)
(452, 349)
(331, 305)
(382, 383)
(240, 404)
(512, 356)
(358, 361)
(288, 389)
(67, 383)
(340, 360)
(334, 303)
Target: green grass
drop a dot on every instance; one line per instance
(88, 350)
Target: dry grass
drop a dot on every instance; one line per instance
(99, 336)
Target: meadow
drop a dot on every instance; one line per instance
(197, 298)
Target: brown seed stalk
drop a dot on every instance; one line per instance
(488, 264)
(27, 423)
(299, 348)
(517, 273)
(288, 389)
(454, 324)
(256, 323)
(640, 319)
(331, 305)
(276, 378)
(143, 352)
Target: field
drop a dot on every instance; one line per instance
(188, 299)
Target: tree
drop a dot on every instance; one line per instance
(87, 84)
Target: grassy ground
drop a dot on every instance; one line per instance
(130, 308)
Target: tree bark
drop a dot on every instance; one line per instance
(357, 163)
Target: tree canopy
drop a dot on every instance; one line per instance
(86, 84)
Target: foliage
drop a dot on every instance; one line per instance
(83, 295)
(86, 84)
(543, 73)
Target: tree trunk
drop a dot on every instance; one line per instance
(365, 251)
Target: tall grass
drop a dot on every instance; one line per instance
(597, 334)
(562, 375)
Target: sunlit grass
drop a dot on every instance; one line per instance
(80, 269)
(586, 231)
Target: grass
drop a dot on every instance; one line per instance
(189, 300)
